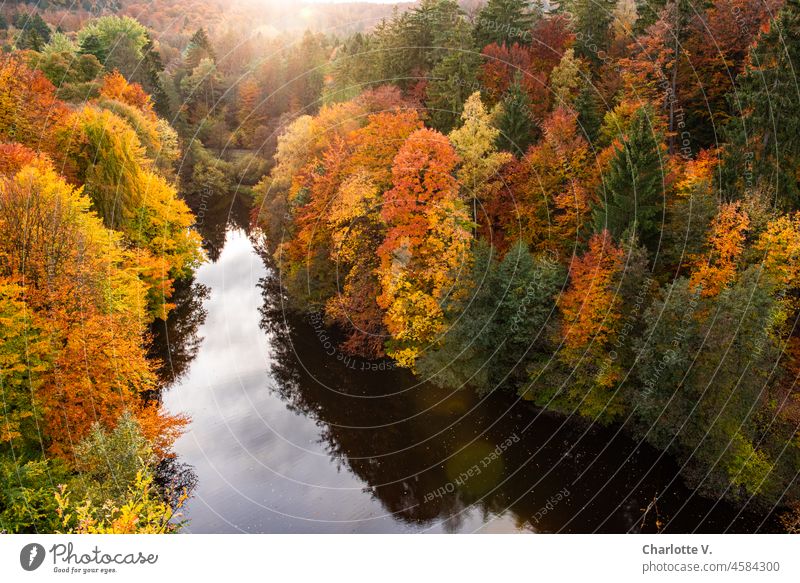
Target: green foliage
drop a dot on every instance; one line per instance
(765, 131)
(114, 491)
(501, 320)
(588, 109)
(143, 511)
(60, 373)
(633, 192)
(27, 487)
(117, 42)
(75, 76)
(352, 68)
(701, 387)
(201, 91)
(24, 354)
(209, 174)
(109, 461)
(61, 43)
(452, 82)
(383, 242)
(247, 170)
(199, 48)
(590, 21)
(34, 32)
(687, 222)
(505, 22)
(517, 127)
(428, 30)
(402, 49)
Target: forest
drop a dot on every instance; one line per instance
(593, 206)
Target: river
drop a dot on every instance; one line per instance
(288, 435)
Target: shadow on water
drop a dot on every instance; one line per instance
(215, 214)
(175, 341)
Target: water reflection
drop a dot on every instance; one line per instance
(175, 341)
(215, 213)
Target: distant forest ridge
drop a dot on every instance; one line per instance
(270, 17)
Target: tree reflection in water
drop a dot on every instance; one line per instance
(175, 479)
(215, 213)
(410, 442)
(175, 341)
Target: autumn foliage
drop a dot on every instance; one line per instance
(717, 269)
(77, 276)
(427, 240)
(93, 236)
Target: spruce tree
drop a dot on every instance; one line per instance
(631, 194)
(505, 22)
(516, 124)
(499, 322)
(590, 21)
(587, 107)
(153, 66)
(769, 101)
(452, 82)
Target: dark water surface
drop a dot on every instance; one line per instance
(287, 435)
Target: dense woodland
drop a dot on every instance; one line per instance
(592, 205)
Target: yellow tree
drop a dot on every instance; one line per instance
(77, 276)
(779, 245)
(716, 269)
(474, 143)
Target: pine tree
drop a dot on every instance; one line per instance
(452, 82)
(768, 96)
(631, 195)
(590, 20)
(505, 22)
(516, 124)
